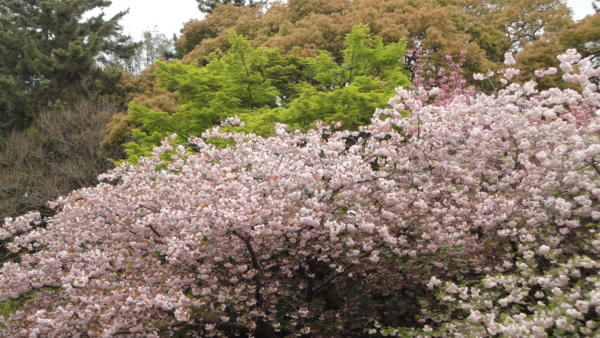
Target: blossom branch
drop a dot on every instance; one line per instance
(346, 269)
(255, 262)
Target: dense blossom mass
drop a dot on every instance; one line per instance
(454, 214)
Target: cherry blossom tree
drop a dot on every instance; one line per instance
(456, 213)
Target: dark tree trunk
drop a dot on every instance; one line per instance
(264, 330)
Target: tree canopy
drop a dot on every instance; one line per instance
(208, 6)
(153, 46)
(583, 35)
(264, 87)
(50, 53)
(485, 29)
(472, 215)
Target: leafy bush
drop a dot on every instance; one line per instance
(59, 153)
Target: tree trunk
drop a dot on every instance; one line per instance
(264, 330)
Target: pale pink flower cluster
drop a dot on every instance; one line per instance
(544, 72)
(559, 199)
(509, 60)
(475, 204)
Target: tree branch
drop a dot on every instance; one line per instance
(255, 262)
(219, 324)
(337, 274)
(154, 231)
(151, 209)
(310, 281)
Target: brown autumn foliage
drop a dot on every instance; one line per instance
(486, 29)
(583, 35)
(144, 90)
(538, 55)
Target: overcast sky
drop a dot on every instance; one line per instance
(169, 16)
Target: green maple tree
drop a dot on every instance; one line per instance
(263, 87)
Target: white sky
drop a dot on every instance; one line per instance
(581, 8)
(170, 15)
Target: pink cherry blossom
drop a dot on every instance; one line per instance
(473, 215)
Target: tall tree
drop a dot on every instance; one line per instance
(153, 46)
(49, 52)
(583, 36)
(486, 29)
(521, 21)
(263, 88)
(207, 6)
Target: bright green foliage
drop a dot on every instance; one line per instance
(349, 92)
(49, 54)
(264, 87)
(228, 85)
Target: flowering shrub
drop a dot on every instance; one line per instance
(475, 215)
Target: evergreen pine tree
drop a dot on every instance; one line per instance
(50, 53)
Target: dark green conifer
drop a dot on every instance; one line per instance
(52, 52)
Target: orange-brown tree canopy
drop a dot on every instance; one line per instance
(583, 35)
(486, 29)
